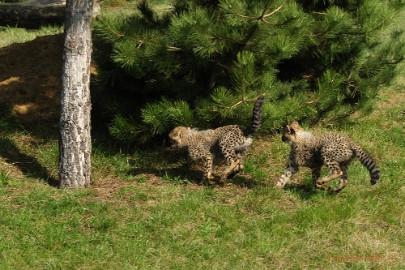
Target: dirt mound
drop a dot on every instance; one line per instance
(30, 78)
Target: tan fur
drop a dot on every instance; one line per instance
(228, 141)
(206, 145)
(335, 151)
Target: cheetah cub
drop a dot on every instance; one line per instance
(229, 141)
(335, 151)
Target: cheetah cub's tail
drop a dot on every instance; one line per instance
(256, 117)
(368, 162)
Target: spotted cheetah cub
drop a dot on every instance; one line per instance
(335, 151)
(229, 141)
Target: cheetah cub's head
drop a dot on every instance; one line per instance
(178, 136)
(294, 133)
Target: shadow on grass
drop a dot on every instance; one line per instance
(185, 174)
(303, 191)
(307, 191)
(245, 182)
(25, 163)
(176, 167)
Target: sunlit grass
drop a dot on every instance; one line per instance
(130, 220)
(145, 210)
(10, 35)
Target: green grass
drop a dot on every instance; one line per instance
(145, 211)
(10, 35)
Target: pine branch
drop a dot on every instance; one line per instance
(244, 100)
(252, 30)
(261, 17)
(173, 49)
(271, 13)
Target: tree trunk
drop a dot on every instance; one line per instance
(75, 137)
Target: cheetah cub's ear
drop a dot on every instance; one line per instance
(295, 127)
(288, 132)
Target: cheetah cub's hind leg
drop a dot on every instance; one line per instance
(237, 169)
(343, 179)
(334, 172)
(234, 167)
(228, 147)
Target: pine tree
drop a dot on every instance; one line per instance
(203, 62)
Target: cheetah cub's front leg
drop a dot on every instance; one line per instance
(285, 178)
(334, 172)
(208, 176)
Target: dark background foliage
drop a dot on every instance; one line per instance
(202, 63)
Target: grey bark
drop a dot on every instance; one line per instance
(75, 125)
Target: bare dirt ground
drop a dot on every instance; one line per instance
(30, 78)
